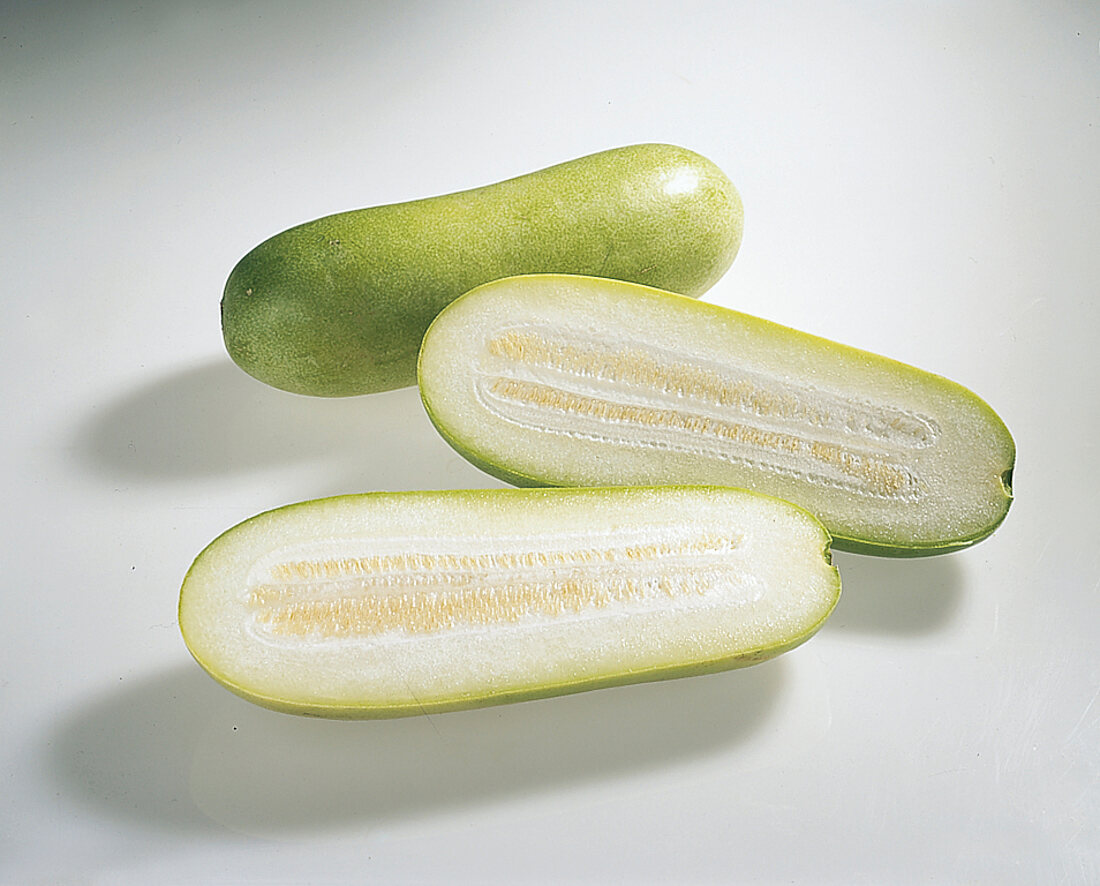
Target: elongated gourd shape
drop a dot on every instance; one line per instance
(338, 306)
(567, 381)
(388, 604)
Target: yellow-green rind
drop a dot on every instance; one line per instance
(843, 539)
(337, 306)
(364, 709)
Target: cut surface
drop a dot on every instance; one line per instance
(395, 603)
(553, 380)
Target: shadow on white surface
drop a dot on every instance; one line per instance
(890, 596)
(178, 752)
(213, 421)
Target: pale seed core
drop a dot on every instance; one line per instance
(410, 593)
(642, 396)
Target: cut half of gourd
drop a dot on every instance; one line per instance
(576, 381)
(389, 604)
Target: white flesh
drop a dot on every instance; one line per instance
(574, 381)
(392, 603)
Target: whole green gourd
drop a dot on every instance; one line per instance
(338, 306)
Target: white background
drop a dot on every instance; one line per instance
(920, 180)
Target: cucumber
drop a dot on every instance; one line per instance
(337, 306)
(388, 604)
(573, 381)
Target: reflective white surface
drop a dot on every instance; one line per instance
(919, 180)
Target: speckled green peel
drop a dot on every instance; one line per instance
(575, 381)
(338, 306)
(389, 604)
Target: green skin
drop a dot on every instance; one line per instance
(338, 306)
(223, 546)
(843, 538)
